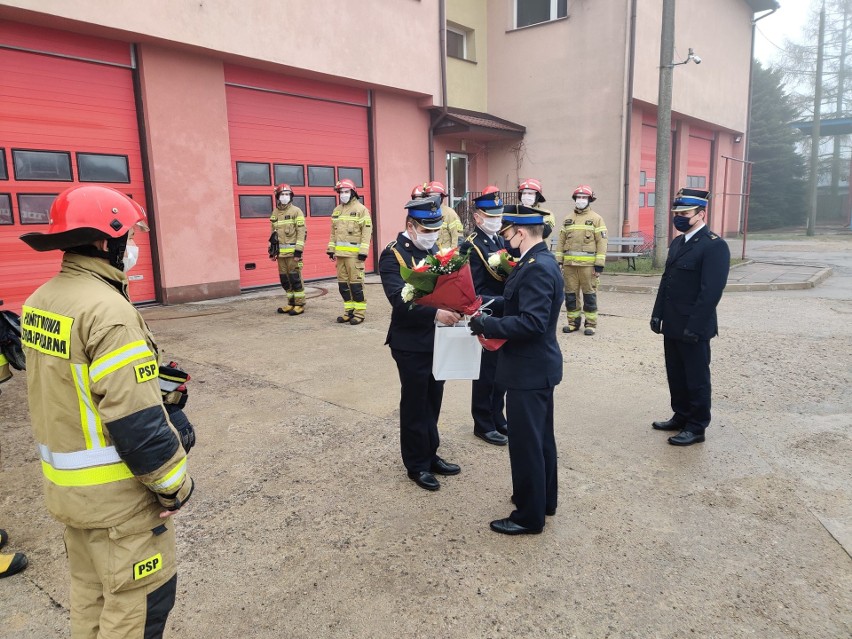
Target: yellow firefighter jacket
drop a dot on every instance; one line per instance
(351, 229)
(289, 222)
(582, 239)
(451, 229)
(549, 218)
(107, 448)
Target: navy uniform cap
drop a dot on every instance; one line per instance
(688, 199)
(520, 215)
(427, 211)
(490, 204)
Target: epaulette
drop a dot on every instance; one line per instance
(390, 245)
(713, 236)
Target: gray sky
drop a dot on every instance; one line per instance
(787, 22)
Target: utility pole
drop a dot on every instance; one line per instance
(664, 136)
(815, 130)
(838, 110)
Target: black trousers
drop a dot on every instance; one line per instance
(486, 399)
(419, 408)
(532, 454)
(688, 373)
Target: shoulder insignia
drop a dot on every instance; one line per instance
(713, 236)
(590, 222)
(531, 260)
(391, 244)
(273, 219)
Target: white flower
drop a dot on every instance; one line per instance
(408, 293)
(494, 260)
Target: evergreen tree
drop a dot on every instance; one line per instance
(778, 187)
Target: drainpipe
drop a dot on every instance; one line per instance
(631, 43)
(442, 19)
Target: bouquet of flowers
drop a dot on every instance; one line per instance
(444, 281)
(502, 262)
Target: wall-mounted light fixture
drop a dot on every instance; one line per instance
(738, 139)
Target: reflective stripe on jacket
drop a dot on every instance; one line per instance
(106, 445)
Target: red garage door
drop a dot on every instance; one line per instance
(698, 159)
(305, 133)
(62, 121)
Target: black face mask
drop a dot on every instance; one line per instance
(682, 223)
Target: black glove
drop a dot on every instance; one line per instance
(297, 255)
(362, 257)
(598, 269)
(689, 336)
(465, 247)
(274, 246)
(184, 428)
(657, 325)
(10, 340)
(330, 255)
(477, 324)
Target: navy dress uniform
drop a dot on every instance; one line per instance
(486, 397)
(529, 366)
(411, 337)
(685, 313)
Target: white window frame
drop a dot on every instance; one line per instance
(554, 7)
(451, 155)
(463, 35)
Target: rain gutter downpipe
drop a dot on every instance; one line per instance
(631, 60)
(442, 19)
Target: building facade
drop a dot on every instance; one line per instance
(197, 110)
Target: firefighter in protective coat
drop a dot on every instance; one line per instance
(349, 245)
(581, 253)
(286, 245)
(451, 228)
(113, 464)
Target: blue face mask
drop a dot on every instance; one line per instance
(682, 223)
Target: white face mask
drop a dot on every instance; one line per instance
(131, 255)
(491, 224)
(345, 196)
(581, 203)
(425, 241)
(284, 199)
(527, 198)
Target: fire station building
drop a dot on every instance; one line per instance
(197, 109)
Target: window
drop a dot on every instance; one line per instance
(456, 43)
(322, 205)
(54, 166)
(652, 199)
(4, 173)
(299, 200)
(528, 12)
(292, 174)
(6, 209)
(253, 174)
(642, 178)
(696, 181)
(356, 175)
(100, 167)
(253, 206)
(641, 200)
(35, 208)
(321, 176)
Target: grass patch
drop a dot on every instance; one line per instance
(643, 266)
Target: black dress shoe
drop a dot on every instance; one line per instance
(440, 467)
(685, 438)
(493, 437)
(425, 480)
(509, 527)
(669, 424)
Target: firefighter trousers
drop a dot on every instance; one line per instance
(123, 579)
(290, 274)
(350, 281)
(581, 283)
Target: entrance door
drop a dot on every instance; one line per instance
(456, 177)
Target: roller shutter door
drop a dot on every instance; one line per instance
(63, 121)
(305, 133)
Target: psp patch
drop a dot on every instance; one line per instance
(146, 371)
(147, 567)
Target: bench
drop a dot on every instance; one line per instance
(629, 243)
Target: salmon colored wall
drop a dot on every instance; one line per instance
(186, 124)
(400, 129)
